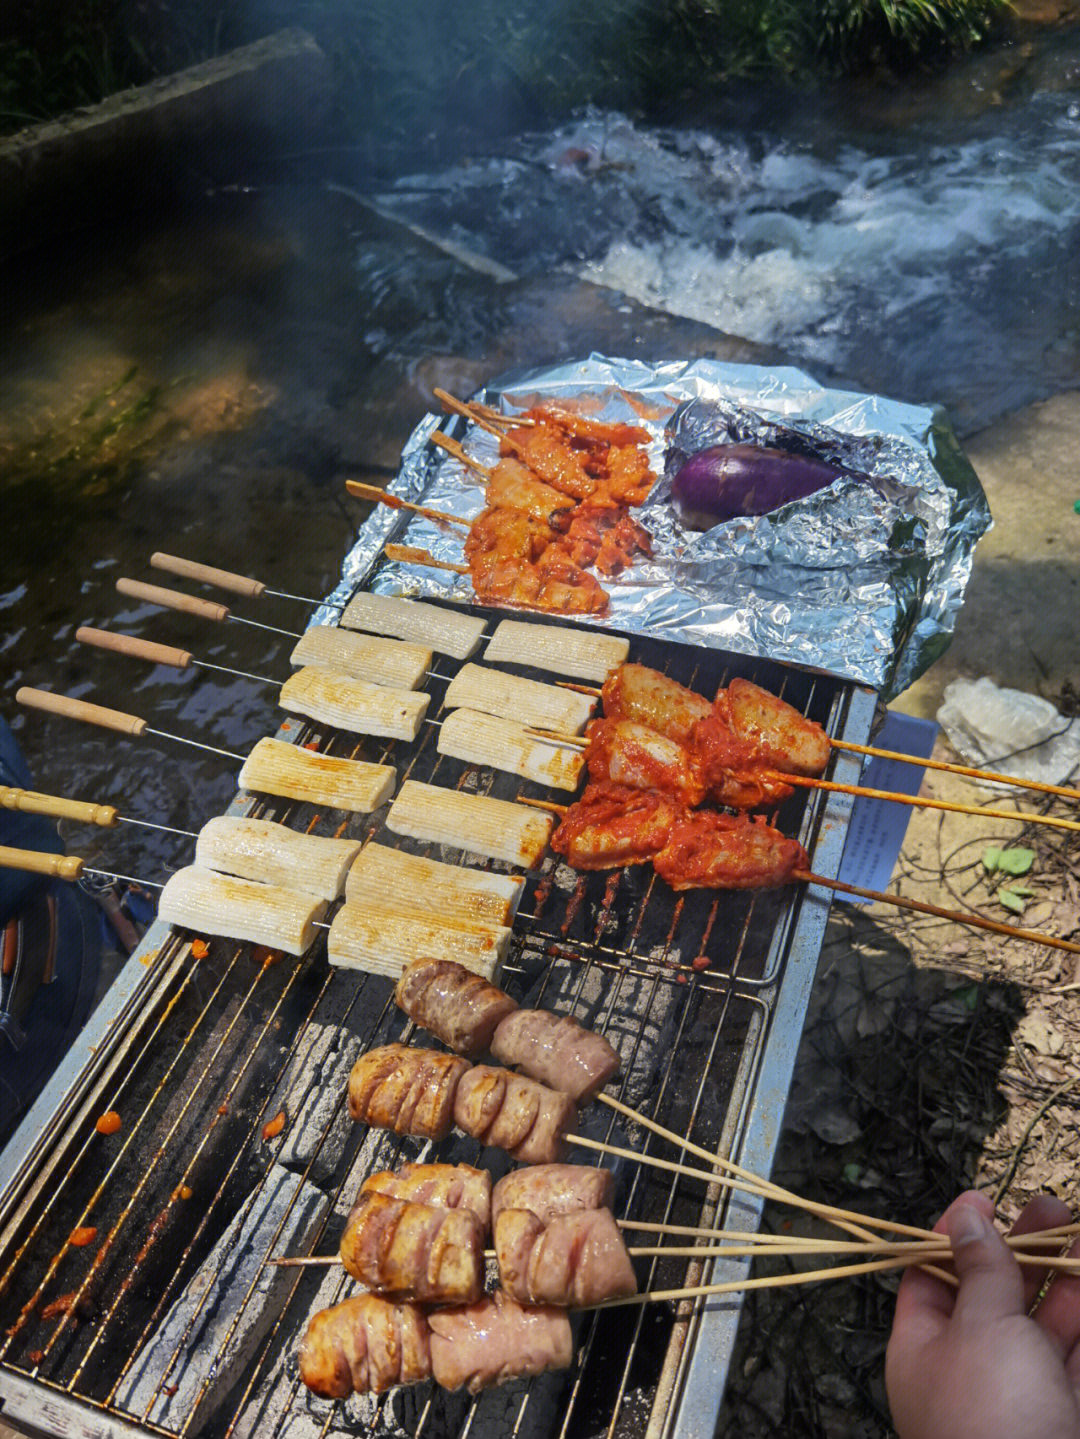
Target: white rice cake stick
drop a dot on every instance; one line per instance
(212, 903)
(354, 705)
(495, 828)
(380, 939)
(383, 874)
(445, 631)
(530, 702)
(363, 657)
(504, 744)
(272, 853)
(276, 767)
(562, 651)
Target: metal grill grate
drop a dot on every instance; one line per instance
(171, 1321)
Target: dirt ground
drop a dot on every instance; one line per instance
(935, 1056)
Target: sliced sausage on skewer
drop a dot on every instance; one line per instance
(417, 1252)
(446, 1186)
(556, 1050)
(575, 1259)
(497, 1340)
(365, 1345)
(550, 1189)
(460, 1008)
(519, 1115)
(408, 1090)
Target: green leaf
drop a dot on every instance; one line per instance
(991, 858)
(1016, 861)
(1011, 900)
(853, 1173)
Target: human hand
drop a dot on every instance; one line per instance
(971, 1362)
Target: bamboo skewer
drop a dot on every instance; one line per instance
(411, 555)
(483, 416)
(956, 916)
(962, 769)
(801, 781)
(452, 447)
(360, 491)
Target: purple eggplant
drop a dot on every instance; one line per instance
(723, 481)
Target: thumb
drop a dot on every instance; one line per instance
(991, 1286)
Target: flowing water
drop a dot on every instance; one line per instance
(203, 382)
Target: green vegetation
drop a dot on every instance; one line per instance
(432, 71)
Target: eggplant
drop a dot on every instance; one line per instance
(723, 481)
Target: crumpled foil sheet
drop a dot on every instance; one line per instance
(863, 580)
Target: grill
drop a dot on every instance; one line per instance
(170, 1321)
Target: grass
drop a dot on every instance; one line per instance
(427, 75)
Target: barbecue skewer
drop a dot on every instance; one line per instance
(801, 781)
(157, 654)
(360, 491)
(969, 771)
(191, 605)
(956, 916)
(80, 811)
(111, 719)
(226, 580)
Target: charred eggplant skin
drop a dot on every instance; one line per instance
(724, 481)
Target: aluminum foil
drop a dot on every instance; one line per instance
(863, 579)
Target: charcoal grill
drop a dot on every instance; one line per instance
(171, 1322)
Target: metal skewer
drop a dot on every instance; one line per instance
(158, 654)
(107, 718)
(80, 811)
(191, 605)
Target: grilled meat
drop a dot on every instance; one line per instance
(414, 1251)
(514, 1113)
(707, 850)
(406, 1089)
(786, 739)
(575, 1259)
(550, 1189)
(446, 1186)
(635, 692)
(496, 1340)
(365, 1345)
(556, 1050)
(611, 826)
(626, 752)
(452, 1003)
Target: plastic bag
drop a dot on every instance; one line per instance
(1010, 731)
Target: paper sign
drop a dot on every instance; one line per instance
(877, 827)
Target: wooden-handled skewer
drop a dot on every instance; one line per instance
(156, 654)
(35, 861)
(226, 580)
(79, 811)
(955, 916)
(190, 605)
(110, 719)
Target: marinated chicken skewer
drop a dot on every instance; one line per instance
(614, 829)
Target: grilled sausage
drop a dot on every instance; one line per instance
(365, 1345)
(556, 1050)
(456, 1005)
(514, 1113)
(415, 1251)
(635, 692)
(410, 1091)
(550, 1189)
(575, 1259)
(446, 1186)
(497, 1340)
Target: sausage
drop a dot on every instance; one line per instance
(408, 1090)
(414, 1251)
(496, 1340)
(365, 1345)
(576, 1259)
(456, 1005)
(446, 1186)
(556, 1050)
(514, 1113)
(550, 1189)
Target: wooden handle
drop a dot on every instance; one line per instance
(137, 649)
(56, 807)
(173, 600)
(224, 579)
(80, 710)
(60, 866)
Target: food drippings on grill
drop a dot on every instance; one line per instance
(557, 507)
(472, 1016)
(423, 1092)
(416, 1252)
